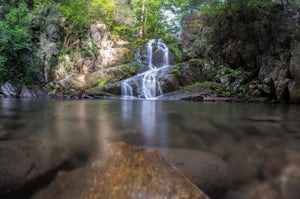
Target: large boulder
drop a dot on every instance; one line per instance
(123, 172)
(23, 162)
(9, 90)
(31, 93)
(294, 70)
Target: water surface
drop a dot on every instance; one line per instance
(149, 123)
(252, 139)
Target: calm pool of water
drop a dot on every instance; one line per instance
(147, 123)
(253, 139)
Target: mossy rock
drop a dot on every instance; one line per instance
(97, 90)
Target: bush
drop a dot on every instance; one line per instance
(15, 46)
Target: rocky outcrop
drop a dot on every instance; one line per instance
(189, 93)
(265, 43)
(9, 90)
(99, 56)
(177, 76)
(123, 172)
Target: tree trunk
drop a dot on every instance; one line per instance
(141, 32)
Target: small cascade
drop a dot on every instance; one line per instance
(147, 83)
(126, 89)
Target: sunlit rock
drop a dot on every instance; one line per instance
(123, 172)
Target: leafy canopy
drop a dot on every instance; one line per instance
(15, 46)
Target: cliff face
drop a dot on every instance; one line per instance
(96, 59)
(264, 42)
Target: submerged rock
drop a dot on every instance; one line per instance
(123, 172)
(210, 173)
(23, 162)
(290, 182)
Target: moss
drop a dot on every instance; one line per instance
(131, 68)
(176, 51)
(134, 46)
(199, 60)
(176, 70)
(101, 81)
(88, 50)
(97, 90)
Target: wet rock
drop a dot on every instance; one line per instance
(123, 172)
(169, 83)
(31, 93)
(294, 69)
(26, 93)
(210, 173)
(8, 90)
(266, 68)
(295, 62)
(191, 72)
(182, 95)
(190, 93)
(23, 162)
(290, 182)
(294, 90)
(158, 55)
(113, 88)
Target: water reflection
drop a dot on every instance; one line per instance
(253, 139)
(89, 125)
(153, 123)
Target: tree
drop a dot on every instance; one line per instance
(15, 46)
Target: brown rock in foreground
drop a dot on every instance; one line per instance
(123, 172)
(208, 172)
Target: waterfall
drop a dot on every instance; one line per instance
(126, 89)
(147, 83)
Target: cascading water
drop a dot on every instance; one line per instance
(147, 83)
(126, 89)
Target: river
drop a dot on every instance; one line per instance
(240, 133)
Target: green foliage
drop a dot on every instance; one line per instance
(88, 49)
(77, 16)
(174, 47)
(233, 81)
(176, 70)
(131, 68)
(101, 81)
(221, 8)
(15, 46)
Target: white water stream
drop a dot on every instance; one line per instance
(147, 84)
